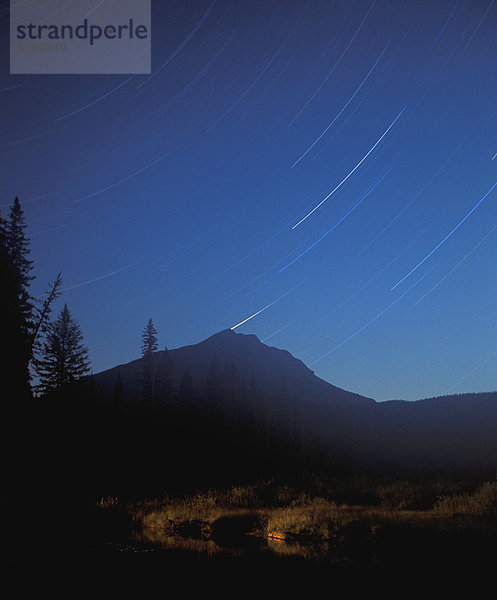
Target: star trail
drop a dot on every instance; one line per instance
(322, 174)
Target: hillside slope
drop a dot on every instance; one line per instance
(269, 385)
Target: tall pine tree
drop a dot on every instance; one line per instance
(17, 305)
(21, 320)
(14, 361)
(149, 339)
(147, 383)
(19, 245)
(64, 358)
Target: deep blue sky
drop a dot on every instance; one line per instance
(175, 196)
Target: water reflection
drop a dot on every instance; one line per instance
(247, 543)
(164, 540)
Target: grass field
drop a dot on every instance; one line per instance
(389, 522)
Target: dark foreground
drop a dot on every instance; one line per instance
(462, 545)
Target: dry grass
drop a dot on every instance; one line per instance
(481, 501)
(206, 507)
(285, 513)
(278, 520)
(321, 519)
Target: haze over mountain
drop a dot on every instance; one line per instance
(450, 433)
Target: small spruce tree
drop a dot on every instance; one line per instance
(147, 383)
(149, 339)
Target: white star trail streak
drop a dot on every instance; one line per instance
(72, 287)
(351, 172)
(373, 319)
(237, 102)
(458, 264)
(478, 366)
(94, 8)
(444, 26)
(90, 104)
(416, 196)
(373, 278)
(181, 46)
(113, 185)
(366, 95)
(336, 224)
(271, 304)
(280, 329)
(351, 41)
(478, 26)
(343, 108)
(445, 238)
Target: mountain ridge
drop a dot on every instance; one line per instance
(236, 376)
(268, 365)
(226, 336)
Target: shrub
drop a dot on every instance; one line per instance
(483, 500)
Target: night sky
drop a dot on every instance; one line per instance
(328, 167)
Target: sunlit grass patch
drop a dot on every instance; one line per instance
(309, 517)
(288, 521)
(481, 501)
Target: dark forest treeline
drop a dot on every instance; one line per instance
(22, 322)
(175, 435)
(41, 457)
(35, 347)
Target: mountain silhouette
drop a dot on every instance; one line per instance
(270, 367)
(240, 377)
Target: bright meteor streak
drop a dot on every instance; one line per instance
(351, 172)
(271, 304)
(445, 238)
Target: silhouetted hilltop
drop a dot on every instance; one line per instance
(268, 367)
(238, 378)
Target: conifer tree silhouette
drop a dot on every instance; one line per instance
(22, 320)
(147, 374)
(64, 358)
